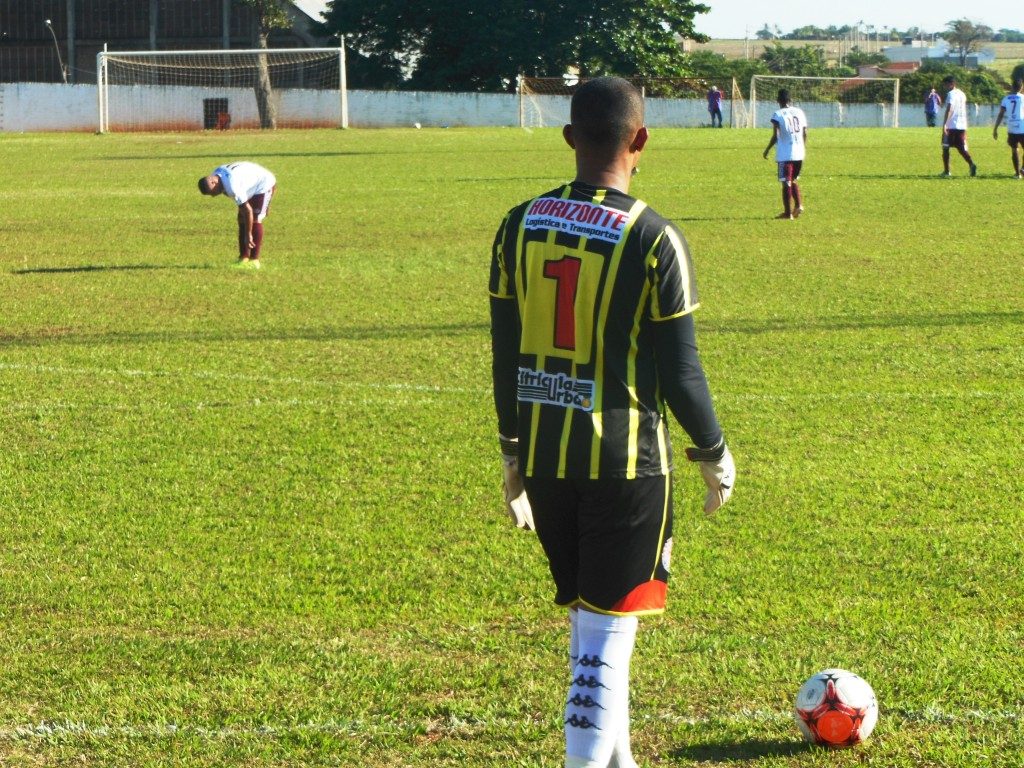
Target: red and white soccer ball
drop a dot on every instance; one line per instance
(836, 708)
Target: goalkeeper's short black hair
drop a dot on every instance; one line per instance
(606, 113)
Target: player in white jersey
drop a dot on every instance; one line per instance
(251, 186)
(789, 137)
(954, 126)
(1012, 107)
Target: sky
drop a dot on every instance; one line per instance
(312, 7)
(731, 18)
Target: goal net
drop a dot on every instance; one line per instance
(829, 102)
(669, 102)
(222, 89)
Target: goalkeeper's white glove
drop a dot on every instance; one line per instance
(719, 471)
(517, 506)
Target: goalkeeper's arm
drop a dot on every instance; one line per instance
(685, 389)
(505, 334)
(682, 381)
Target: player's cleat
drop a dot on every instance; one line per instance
(784, 216)
(974, 170)
(1018, 175)
(797, 212)
(945, 175)
(254, 263)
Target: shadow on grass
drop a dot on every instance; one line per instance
(106, 268)
(962, 176)
(472, 180)
(77, 337)
(82, 337)
(221, 157)
(859, 323)
(720, 218)
(743, 750)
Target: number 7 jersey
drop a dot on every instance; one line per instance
(590, 271)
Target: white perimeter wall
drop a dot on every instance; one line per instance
(47, 107)
(870, 115)
(58, 107)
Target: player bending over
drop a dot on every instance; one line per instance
(251, 186)
(789, 137)
(954, 126)
(591, 335)
(1011, 107)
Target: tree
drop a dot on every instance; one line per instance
(1008, 36)
(267, 15)
(979, 86)
(765, 33)
(965, 37)
(467, 45)
(858, 58)
(805, 61)
(715, 67)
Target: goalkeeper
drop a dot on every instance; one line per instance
(251, 186)
(592, 335)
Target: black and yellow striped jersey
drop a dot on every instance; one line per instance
(590, 270)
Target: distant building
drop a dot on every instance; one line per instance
(915, 50)
(919, 51)
(31, 50)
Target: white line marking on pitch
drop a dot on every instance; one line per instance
(70, 730)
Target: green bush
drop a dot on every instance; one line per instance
(981, 86)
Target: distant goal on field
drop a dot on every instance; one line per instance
(669, 102)
(221, 89)
(829, 102)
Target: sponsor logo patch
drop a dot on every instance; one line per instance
(594, 222)
(555, 389)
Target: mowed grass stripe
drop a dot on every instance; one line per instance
(434, 389)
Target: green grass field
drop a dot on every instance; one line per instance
(253, 519)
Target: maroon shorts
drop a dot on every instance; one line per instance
(789, 171)
(260, 204)
(1015, 139)
(953, 137)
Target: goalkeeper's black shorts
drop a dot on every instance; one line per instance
(608, 542)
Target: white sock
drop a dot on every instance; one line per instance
(597, 709)
(622, 756)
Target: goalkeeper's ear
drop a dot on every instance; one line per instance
(567, 135)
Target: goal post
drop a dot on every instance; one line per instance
(829, 102)
(669, 102)
(221, 89)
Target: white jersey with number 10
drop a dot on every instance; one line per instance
(791, 122)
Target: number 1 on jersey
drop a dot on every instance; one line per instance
(566, 273)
